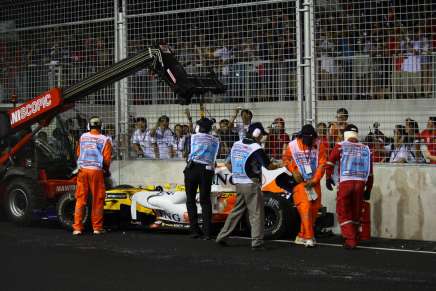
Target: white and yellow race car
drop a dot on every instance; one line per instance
(165, 207)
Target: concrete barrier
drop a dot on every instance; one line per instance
(403, 202)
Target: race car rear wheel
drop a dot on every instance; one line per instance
(277, 216)
(280, 218)
(22, 199)
(65, 211)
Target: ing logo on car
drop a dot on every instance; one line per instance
(168, 216)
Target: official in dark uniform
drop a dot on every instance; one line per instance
(199, 173)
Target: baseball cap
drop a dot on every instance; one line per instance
(308, 129)
(205, 124)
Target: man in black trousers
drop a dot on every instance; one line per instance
(199, 173)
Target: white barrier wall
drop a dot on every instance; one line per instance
(403, 201)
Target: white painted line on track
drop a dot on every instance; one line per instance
(359, 247)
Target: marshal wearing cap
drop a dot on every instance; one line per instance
(205, 125)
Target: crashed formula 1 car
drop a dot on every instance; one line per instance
(156, 207)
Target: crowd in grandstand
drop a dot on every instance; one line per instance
(407, 145)
(258, 53)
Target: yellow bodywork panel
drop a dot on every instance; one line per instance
(116, 198)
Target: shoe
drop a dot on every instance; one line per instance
(77, 232)
(309, 243)
(258, 248)
(299, 240)
(98, 232)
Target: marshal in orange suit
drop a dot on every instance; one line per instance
(305, 158)
(94, 157)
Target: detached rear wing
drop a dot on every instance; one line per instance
(184, 85)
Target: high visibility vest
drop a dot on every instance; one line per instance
(91, 150)
(355, 161)
(239, 155)
(204, 148)
(307, 160)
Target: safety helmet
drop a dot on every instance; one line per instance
(94, 122)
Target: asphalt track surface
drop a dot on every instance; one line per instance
(44, 257)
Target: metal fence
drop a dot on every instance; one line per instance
(380, 54)
(288, 62)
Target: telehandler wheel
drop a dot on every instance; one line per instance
(22, 199)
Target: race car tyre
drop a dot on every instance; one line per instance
(277, 216)
(280, 217)
(23, 198)
(65, 211)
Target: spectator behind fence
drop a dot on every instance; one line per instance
(163, 136)
(377, 147)
(413, 140)
(277, 139)
(411, 66)
(224, 54)
(336, 131)
(426, 62)
(241, 128)
(109, 131)
(142, 142)
(187, 131)
(429, 137)
(328, 78)
(321, 130)
(227, 138)
(178, 142)
(399, 151)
